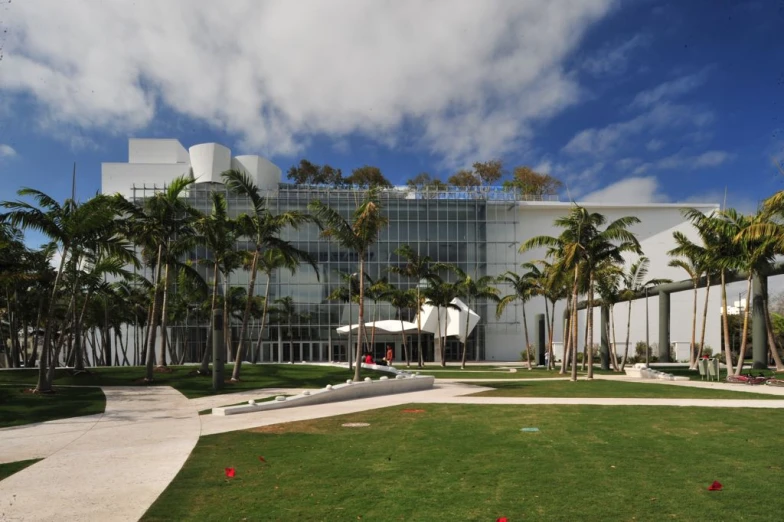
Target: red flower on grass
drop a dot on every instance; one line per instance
(716, 486)
(501, 519)
(230, 472)
(262, 458)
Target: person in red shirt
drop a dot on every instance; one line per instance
(390, 354)
(368, 359)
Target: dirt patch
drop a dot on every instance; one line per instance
(163, 369)
(318, 426)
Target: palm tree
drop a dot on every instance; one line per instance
(68, 225)
(218, 233)
(268, 262)
(265, 229)
(347, 294)
(634, 281)
(357, 234)
(523, 288)
(375, 291)
(401, 300)
(474, 290)
(421, 269)
(608, 286)
(440, 294)
(581, 248)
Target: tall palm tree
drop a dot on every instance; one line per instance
(218, 233)
(581, 247)
(358, 234)
(347, 294)
(719, 236)
(265, 230)
(269, 261)
(375, 292)
(608, 286)
(68, 225)
(440, 294)
(421, 269)
(523, 289)
(634, 281)
(401, 300)
(474, 290)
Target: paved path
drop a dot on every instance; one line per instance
(112, 467)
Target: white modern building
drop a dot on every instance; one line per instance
(480, 230)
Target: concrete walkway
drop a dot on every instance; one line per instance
(112, 467)
(108, 468)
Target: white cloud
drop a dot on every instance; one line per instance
(6, 151)
(740, 203)
(629, 191)
(471, 76)
(654, 145)
(669, 90)
(613, 61)
(711, 158)
(604, 140)
(627, 163)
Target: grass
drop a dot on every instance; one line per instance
(18, 406)
(616, 389)
(192, 385)
(265, 399)
(9, 468)
(471, 462)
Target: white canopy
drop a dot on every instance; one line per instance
(388, 325)
(453, 321)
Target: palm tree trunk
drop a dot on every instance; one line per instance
(361, 316)
(226, 318)
(153, 327)
(585, 342)
(440, 339)
(574, 321)
(204, 369)
(164, 319)
(527, 341)
(628, 334)
(590, 325)
(704, 318)
(405, 346)
(235, 374)
(257, 356)
(611, 336)
(743, 343)
(465, 342)
(567, 338)
(551, 327)
(725, 323)
(772, 345)
(43, 385)
(693, 347)
(420, 357)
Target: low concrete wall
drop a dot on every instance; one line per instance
(640, 371)
(402, 383)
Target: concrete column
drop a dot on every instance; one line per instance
(664, 327)
(280, 344)
(436, 349)
(604, 350)
(540, 329)
(218, 351)
(759, 337)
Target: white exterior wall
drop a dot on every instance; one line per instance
(156, 162)
(658, 222)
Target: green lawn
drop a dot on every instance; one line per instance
(471, 462)
(599, 388)
(8, 469)
(18, 406)
(454, 372)
(192, 385)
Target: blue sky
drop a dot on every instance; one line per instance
(635, 101)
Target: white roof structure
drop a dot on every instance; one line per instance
(453, 322)
(388, 325)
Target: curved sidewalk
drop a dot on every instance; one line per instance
(105, 469)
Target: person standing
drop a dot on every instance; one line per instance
(390, 354)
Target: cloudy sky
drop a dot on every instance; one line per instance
(634, 101)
